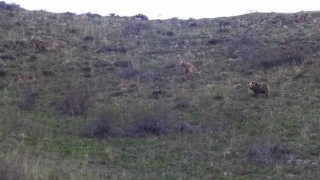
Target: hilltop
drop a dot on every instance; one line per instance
(112, 102)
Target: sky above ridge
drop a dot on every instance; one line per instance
(166, 9)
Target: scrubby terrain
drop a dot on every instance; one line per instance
(112, 102)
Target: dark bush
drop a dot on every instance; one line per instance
(105, 49)
(94, 15)
(158, 93)
(118, 93)
(224, 26)
(181, 104)
(147, 76)
(47, 73)
(266, 155)
(88, 38)
(69, 14)
(11, 171)
(243, 47)
(101, 64)
(101, 126)
(134, 29)
(8, 57)
(140, 17)
(190, 128)
(129, 72)
(169, 33)
(32, 58)
(123, 64)
(260, 154)
(213, 41)
(275, 58)
(72, 31)
(171, 66)
(3, 73)
(150, 126)
(28, 97)
(86, 69)
(75, 101)
(9, 7)
(192, 23)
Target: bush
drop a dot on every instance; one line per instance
(3, 73)
(248, 49)
(8, 57)
(28, 97)
(275, 58)
(88, 38)
(94, 15)
(134, 29)
(141, 17)
(10, 171)
(150, 126)
(266, 155)
(243, 47)
(123, 64)
(75, 101)
(106, 49)
(9, 7)
(189, 128)
(101, 126)
(129, 72)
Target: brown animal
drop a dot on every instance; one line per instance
(25, 78)
(52, 46)
(259, 88)
(43, 45)
(39, 44)
(189, 68)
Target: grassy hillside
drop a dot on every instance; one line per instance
(82, 112)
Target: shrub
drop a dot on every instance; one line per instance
(141, 17)
(129, 72)
(266, 155)
(189, 128)
(75, 101)
(88, 38)
(169, 33)
(123, 64)
(150, 126)
(94, 15)
(9, 7)
(101, 126)
(275, 58)
(243, 47)
(10, 171)
(105, 49)
(28, 97)
(248, 49)
(3, 73)
(213, 41)
(7, 57)
(134, 29)
(158, 93)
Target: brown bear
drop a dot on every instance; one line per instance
(258, 88)
(189, 68)
(25, 78)
(44, 45)
(39, 44)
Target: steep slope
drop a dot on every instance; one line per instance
(112, 102)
